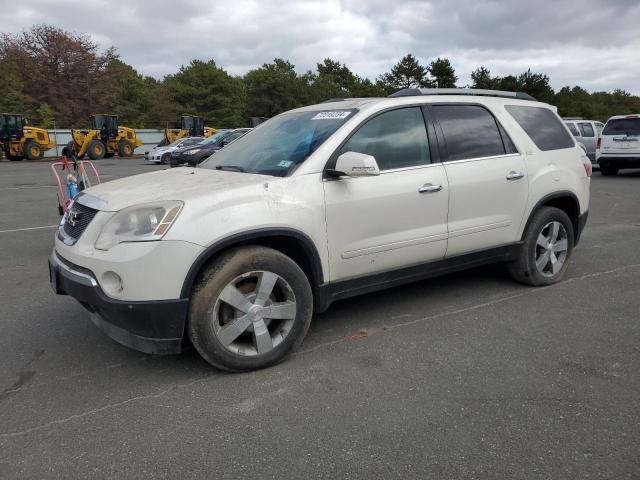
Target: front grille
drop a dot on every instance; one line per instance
(77, 219)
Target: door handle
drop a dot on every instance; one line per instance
(513, 175)
(429, 188)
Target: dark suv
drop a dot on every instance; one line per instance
(196, 154)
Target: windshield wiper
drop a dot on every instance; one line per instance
(231, 168)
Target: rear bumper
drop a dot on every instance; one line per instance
(619, 162)
(148, 326)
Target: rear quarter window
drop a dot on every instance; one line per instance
(543, 127)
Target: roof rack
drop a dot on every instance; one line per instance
(410, 92)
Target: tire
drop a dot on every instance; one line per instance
(241, 270)
(608, 171)
(33, 150)
(525, 269)
(165, 159)
(15, 158)
(96, 150)
(125, 148)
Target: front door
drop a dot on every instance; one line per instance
(396, 219)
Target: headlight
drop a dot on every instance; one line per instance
(140, 223)
(192, 152)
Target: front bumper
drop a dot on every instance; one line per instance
(147, 326)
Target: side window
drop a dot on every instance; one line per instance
(587, 130)
(396, 139)
(470, 131)
(572, 128)
(543, 127)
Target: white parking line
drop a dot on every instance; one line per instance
(26, 187)
(28, 228)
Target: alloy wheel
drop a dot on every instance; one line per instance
(254, 313)
(551, 249)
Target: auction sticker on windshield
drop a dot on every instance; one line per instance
(337, 114)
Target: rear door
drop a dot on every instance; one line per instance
(488, 184)
(621, 136)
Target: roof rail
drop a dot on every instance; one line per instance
(334, 100)
(410, 92)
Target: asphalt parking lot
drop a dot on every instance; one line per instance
(465, 376)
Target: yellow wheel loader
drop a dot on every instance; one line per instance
(104, 139)
(187, 126)
(18, 140)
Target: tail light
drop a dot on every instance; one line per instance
(588, 168)
(599, 142)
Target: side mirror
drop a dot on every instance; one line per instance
(223, 143)
(355, 164)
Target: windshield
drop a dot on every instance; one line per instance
(215, 138)
(280, 144)
(622, 126)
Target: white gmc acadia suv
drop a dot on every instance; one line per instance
(321, 203)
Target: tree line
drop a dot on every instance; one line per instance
(51, 74)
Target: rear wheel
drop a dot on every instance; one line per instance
(96, 150)
(608, 171)
(250, 309)
(33, 150)
(547, 248)
(125, 148)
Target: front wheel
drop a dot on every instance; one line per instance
(96, 150)
(545, 254)
(250, 309)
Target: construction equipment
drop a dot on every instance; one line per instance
(187, 126)
(19, 140)
(104, 139)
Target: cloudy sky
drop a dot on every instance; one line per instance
(592, 43)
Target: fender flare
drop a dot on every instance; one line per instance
(547, 198)
(246, 238)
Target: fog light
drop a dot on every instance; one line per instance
(112, 283)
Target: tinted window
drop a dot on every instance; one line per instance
(543, 127)
(587, 130)
(470, 131)
(622, 126)
(396, 139)
(572, 129)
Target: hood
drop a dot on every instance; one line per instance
(172, 184)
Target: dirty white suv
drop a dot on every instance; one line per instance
(321, 203)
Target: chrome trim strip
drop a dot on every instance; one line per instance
(482, 158)
(393, 246)
(81, 277)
